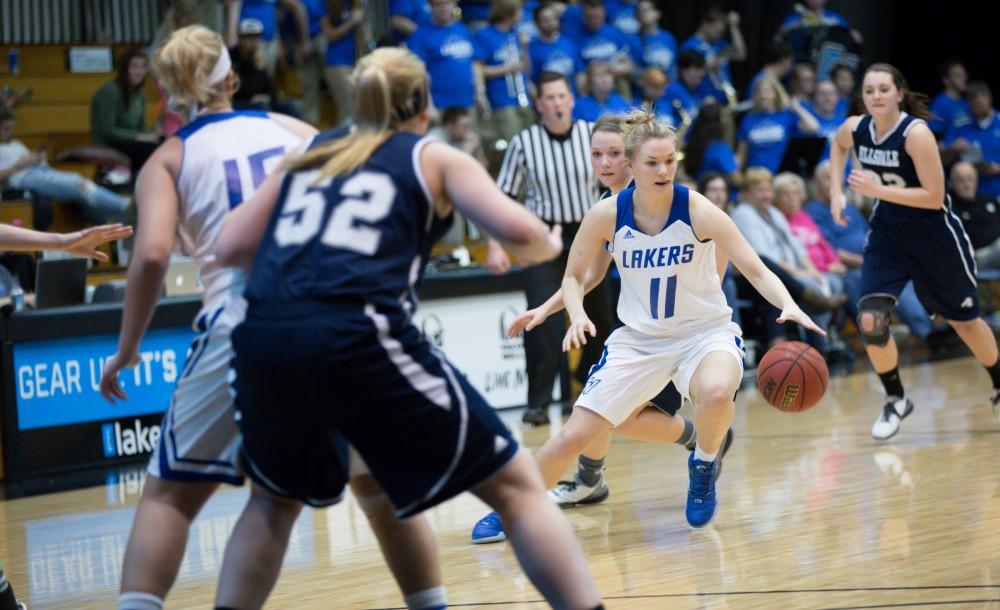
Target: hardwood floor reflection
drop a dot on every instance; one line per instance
(814, 514)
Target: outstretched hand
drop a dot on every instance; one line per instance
(526, 322)
(576, 335)
(85, 242)
(794, 314)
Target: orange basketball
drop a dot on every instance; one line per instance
(792, 376)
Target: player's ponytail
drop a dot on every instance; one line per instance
(391, 87)
(193, 66)
(641, 125)
(913, 103)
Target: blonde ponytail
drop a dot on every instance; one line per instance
(390, 87)
(184, 66)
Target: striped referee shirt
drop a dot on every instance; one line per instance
(555, 172)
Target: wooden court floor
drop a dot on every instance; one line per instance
(814, 514)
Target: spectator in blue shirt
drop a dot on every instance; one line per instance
(339, 26)
(446, 48)
(312, 65)
(824, 107)
(977, 139)
(602, 99)
(718, 52)
(500, 58)
(765, 130)
(683, 96)
(553, 51)
(950, 107)
(798, 27)
(844, 79)
(601, 42)
(405, 16)
(651, 46)
(849, 242)
(706, 150)
(778, 61)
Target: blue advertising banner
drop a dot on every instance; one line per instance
(58, 382)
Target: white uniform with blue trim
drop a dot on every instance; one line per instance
(226, 158)
(672, 307)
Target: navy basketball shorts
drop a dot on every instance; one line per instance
(936, 255)
(307, 386)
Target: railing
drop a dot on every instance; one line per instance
(79, 21)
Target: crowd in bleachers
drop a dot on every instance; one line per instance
(762, 154)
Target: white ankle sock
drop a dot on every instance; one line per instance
(136, 600)
(699, 454)
(427, 599)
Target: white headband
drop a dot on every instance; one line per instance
(221, 68)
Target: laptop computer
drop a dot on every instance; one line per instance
(182, 278)
(60, 282)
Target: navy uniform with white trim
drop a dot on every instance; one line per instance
(328, 355)
(928, 246)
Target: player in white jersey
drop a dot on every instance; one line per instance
(677, 324)
(607, 154)
(184, 192)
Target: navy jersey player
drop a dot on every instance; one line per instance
(328, 360)
(914, 233)
(677, 325)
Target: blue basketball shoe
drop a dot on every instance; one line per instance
(488, 529)
(701, 502)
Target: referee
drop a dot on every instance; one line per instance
(550, 161)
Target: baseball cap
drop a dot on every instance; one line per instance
(251, 27)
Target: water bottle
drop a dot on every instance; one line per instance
(13, 61)
(17, 297)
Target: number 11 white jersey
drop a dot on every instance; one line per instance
(670, 285)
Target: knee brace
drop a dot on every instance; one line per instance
(877, 306)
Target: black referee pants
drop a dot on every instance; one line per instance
(543, 345)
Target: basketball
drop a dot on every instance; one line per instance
(792, 376)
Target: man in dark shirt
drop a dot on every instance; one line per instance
(980, 215)
(256, 90)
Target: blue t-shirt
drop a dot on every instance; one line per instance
(604, 45)
(342, 52)
(589, 109)
(448, 52)
(417, 11)
(622, 17)
(676, 91)
(496, 48)
(947, 112)
(719, 158)
(767, 135)
(986, 136)
(657, 50)
(560, 56)
(315, 10)
(826, 18)
(850, 238)
(571, 23)
(265, 11)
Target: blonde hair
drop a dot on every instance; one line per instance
(757, 175)
(390, 87)
(641, 125)
(787, 180)
(780, 95)
(183, 64)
